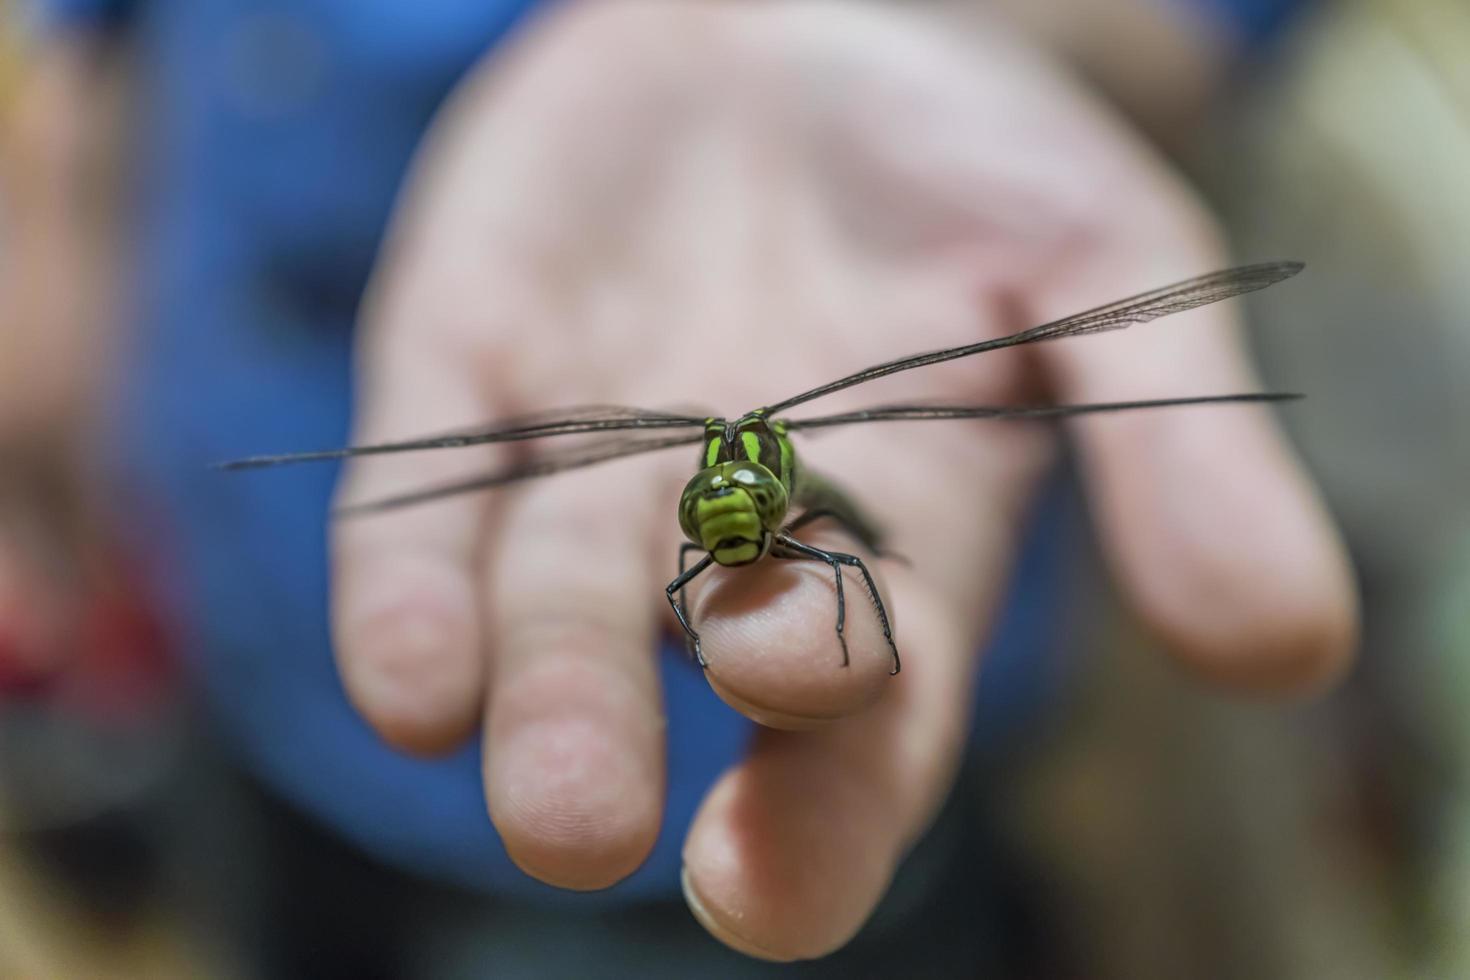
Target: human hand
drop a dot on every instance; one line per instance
(655, 202)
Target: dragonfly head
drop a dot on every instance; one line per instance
(731, 510)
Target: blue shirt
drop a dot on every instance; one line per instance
(276, 133)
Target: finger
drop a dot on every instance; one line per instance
(574, 768)
(768, 633)
(404, 607)
(1209, 522)
(436, 354)
(793, 848)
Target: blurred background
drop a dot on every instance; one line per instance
(1136, 825)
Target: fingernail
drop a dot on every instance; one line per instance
(717, 929)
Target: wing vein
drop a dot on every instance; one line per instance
(915, 413)
(1199, 291)
(536, 466)
(575, 421)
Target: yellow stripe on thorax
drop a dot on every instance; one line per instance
(752, 444)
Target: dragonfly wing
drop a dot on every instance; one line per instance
(915, 413)
(573, 421)
(544, 464)
(1200, 291)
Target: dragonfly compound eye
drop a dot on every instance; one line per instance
(767, 494)
(731, 509)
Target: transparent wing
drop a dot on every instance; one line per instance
(544, 464)
(1187, 295)
(909, 413)
(572, 421)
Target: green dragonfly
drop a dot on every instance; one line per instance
(735, 509)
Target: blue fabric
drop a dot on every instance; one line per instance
(1255, 22)
(84, 11)
(278, 132)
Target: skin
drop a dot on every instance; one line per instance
(653, 202)
(661, 203)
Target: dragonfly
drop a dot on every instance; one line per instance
(738, 507)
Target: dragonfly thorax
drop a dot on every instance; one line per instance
(731, 510)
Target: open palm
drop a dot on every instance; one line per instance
(666, 204)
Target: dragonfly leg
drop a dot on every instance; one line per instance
(675, 593)
(877, 598)
(689, 644)
(789, 547)
(794, 549)
(862, 534)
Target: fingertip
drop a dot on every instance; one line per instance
(1300, 646)
(573, 772)
(769, 636)
(569, 813)
(780, 880)
(420, 720)
(716, 926)
(1226, 550)
(408, 652)
(1261, 604)
(558, 834)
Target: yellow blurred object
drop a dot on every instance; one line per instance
(44, 935)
